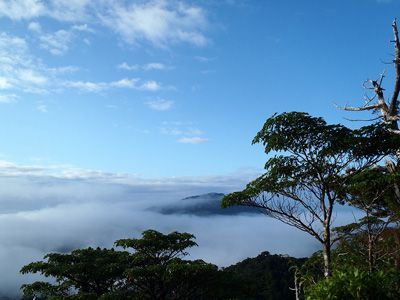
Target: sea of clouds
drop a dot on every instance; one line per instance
(45, 209)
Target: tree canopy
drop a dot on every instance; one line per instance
(308, 170)
(153, 269)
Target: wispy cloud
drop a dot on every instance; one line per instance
(32, 77)
(186, 133)
(203, 59)
(160, 104)
(154, 66)
(58, 42)
(22, 9)
(19, 70)
(146, 67)
(82, 28)
(125, 83)
(41, 107)
(22, 71)
(158, 22)
(87, 85)
(150, 85)
(8, 98)
(192, 140)
(5, 83)
(125, 66)
(129, 83)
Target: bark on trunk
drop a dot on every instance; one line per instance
(327, 251)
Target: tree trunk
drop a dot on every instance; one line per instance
(327, 250)
(296, 286)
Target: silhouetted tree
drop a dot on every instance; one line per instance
(304, 180)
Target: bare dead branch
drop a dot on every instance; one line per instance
(393, 103)
(353, 108)
(362, 120)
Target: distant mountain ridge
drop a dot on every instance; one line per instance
(204, 205)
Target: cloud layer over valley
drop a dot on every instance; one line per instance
(47, 209)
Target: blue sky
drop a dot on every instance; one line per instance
(112, 108)
(176, 88)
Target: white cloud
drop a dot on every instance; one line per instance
(158, 22)
(146, 67)
(35, 27)
(62, 10)
(87, 85)
(179, 130)
(192, 140)
(32, 77)
(63, 70)
(5, 83)
(154, 66)
(41, 107)
(150, 85)
(83, 28)
(8, 98)
(62, 208)
(125, 83)
(203, 59)
(21, 9)
(21, 71)
(125, 66)
(71, 10)
(130, 83)
(160, 104)
(56, 43)
(186, 134)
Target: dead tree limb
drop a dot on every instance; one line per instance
(388, 111)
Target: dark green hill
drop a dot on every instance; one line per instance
(205, 205)
(265, 277)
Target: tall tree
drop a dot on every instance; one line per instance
(155, 269)
(86, 273)
(372, 192)
(158, 272)
(303, 180)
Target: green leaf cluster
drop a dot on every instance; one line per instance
(354, 283)
(154, 268)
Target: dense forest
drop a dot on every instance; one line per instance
(312, 168)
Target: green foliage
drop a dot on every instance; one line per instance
(313, 153)
(158, 272)
(374, 190)
(298, 132)
(155, 245)
(266, 277)
(305, 177)
(356, 284)
(153, 270)
(89, 271)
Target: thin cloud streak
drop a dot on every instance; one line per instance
(147, 67)
(192, 140)
(160, 104)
